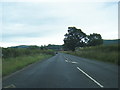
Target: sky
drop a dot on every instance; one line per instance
(43, 23)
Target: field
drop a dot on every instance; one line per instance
(106, 53)
(17, 58)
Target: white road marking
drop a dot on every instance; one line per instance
(73, 62)
(66, 60)
(90, 77)
(10, 86)
(69, 61)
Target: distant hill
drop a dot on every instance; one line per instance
(50, 46)
(55, 47)
(115, 41)
(59, 47)
(25, 46)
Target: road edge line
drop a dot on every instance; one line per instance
(90, 77)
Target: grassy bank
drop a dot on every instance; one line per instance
(14, 59)
(106, 53)
(10, 65)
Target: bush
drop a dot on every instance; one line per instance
(15, 52)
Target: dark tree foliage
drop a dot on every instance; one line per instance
(94, 39)
(77, 38)
(74, 38)
(41, 47)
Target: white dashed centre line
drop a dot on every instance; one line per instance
(66, 60)
(73, 62)
(90, 77)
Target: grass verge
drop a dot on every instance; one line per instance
(105, 53)
(10, 65)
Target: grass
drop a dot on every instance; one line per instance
(0, 67)
(105, 53)
(12, 64)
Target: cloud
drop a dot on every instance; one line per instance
(27, 31)
(47, 22)
(59, 1)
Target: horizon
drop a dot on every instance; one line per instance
(43, 23)
(44, 45)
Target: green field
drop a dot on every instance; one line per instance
(10, 65)
(106, 53)
(17, 58)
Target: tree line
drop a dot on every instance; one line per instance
(28, 51)
(77, 38)
(23, 50)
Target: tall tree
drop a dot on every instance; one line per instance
(74, 38)
(77, 38)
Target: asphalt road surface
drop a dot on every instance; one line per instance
(65, 71)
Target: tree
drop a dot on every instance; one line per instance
(42, 47)
(74, 38)
(77, 38)
(94, 39)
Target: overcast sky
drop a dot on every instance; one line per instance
(43, 23)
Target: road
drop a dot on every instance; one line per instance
(65, 71)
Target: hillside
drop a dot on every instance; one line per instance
(114, 41)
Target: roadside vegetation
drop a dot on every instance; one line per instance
(77, 38)
(106, 53)
(0, 68)
(92, 46)
(17, 58)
